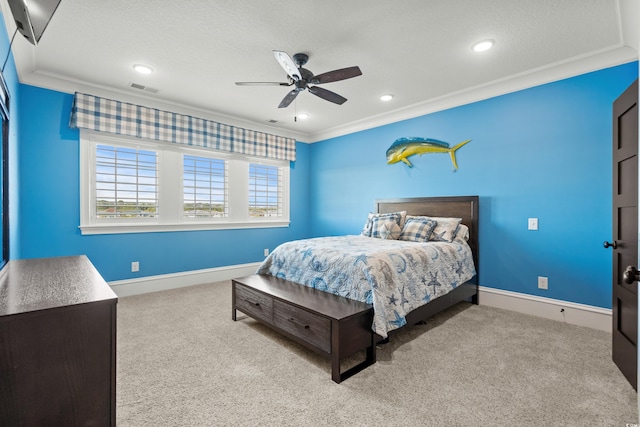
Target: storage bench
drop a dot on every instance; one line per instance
(333, 326)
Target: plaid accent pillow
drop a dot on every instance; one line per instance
(403, 217)
(384, 220)
(366, 229)
(417, 229)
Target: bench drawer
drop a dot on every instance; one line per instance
(255, 304)
(310, 327)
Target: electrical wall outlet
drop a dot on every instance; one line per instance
(135, 266)
(266, 251)
(543, 282)
(533, 224)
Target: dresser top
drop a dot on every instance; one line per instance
(45, 283)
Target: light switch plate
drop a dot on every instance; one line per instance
(533, 223)
(543, 282)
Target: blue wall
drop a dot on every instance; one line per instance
(50, 207)
(543, 152)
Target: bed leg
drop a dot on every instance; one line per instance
(474, 299)
(384, 340)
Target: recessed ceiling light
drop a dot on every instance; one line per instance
(143, 69)
(386, 98)
(303, 116)
(483, 45)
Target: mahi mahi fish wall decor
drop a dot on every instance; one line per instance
(402, 148)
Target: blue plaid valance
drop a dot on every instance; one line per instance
(107, 115)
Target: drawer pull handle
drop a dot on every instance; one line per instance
(257, 304)
(304, 325)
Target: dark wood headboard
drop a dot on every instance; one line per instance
(465, 207)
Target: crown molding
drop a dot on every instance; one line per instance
(536, 77)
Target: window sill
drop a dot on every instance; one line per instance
(158, 228)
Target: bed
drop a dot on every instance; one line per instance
(316, 312)
(405, 281)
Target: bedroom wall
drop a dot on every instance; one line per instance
(50, 210)
(544, 152)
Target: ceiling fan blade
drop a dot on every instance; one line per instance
(336, 75)
(287, 64)
(289, 98)
(328, 95)
(262, 84)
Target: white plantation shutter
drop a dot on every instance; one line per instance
(205, 187)
(265, 191)
(126, 183)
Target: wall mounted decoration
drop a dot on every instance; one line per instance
(402, 148)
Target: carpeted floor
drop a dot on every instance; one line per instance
(182, 361)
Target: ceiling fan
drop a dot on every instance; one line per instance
(302, 78)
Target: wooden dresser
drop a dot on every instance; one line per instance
(57, 344)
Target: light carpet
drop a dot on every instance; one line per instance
(182, 361)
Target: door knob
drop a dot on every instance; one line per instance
(614, 245)
(630, 275)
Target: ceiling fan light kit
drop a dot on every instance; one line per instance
(302, 78)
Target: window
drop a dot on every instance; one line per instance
(205, 187)
(265, 197)
(131, 185)
(126, 183)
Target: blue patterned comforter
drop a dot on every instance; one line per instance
(395, 276)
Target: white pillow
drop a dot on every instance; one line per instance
(445, 230)
(462, 233)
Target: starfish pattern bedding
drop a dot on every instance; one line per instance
(394, 276)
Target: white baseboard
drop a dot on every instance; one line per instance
(575, 314)
(163, 282)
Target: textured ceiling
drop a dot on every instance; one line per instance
(417, 50)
